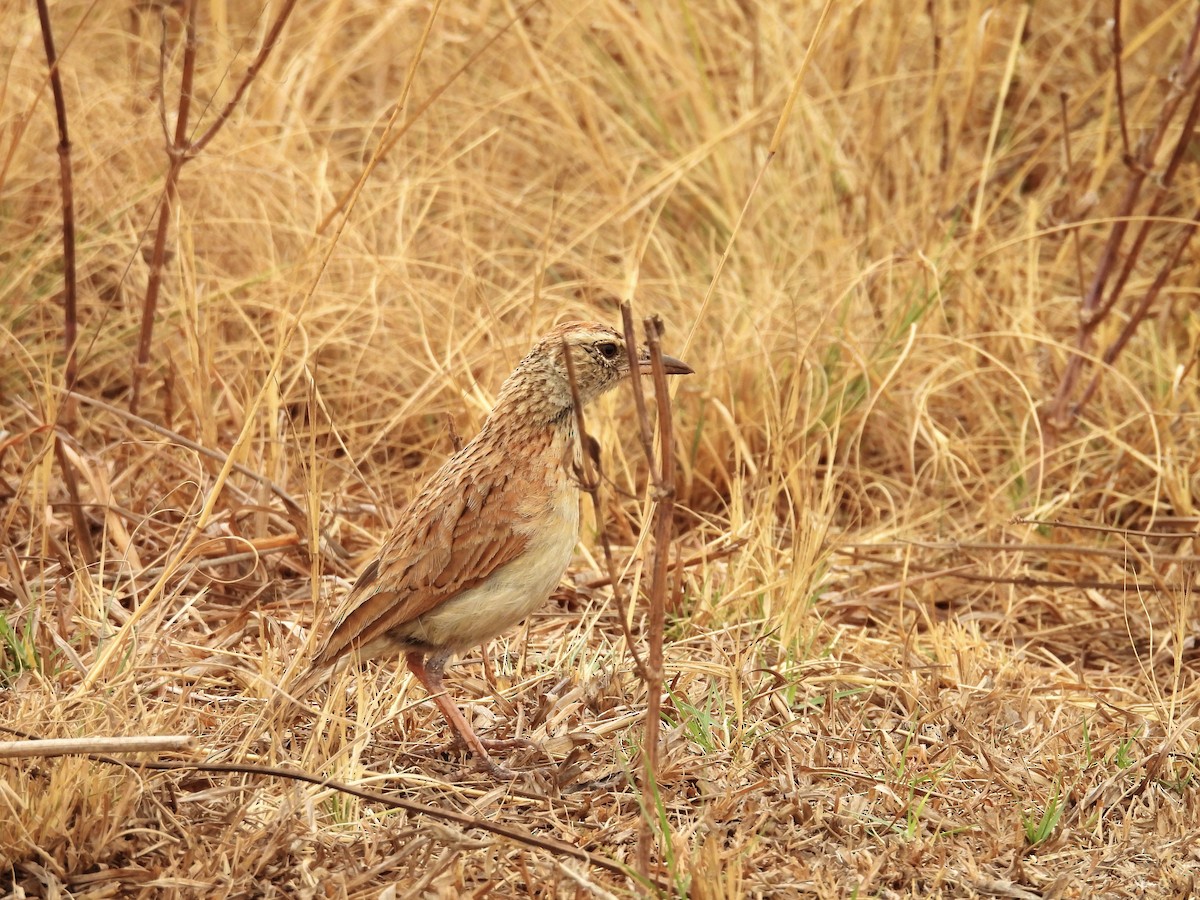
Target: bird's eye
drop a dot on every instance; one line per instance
(607, 349)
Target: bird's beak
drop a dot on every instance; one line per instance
(671, 365)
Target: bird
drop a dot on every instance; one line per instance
(489, 536)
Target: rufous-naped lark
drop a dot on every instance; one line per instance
(489, 536)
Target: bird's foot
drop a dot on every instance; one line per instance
(481, 761)
(499, 745)
(488, 766)
(484, 763)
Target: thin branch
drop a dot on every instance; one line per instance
(338, 552)
(704, 556)
(177, 156)
(550, 845)
(290, 542)
(635, 376)
(293, 506)
(964, 547)
(1142, 310)
(70, 315)
(590, 481)
(664, 511)
(961, 573)
(75, 746)
(83, 531)
(1070, 165)
(1102, 529)
(1094, 308)
(162, 80)
(251, 73)
(1164, 185)
(70, 308)
(180, 148)
(1118, 49)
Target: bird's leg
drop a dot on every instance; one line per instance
(435, 667)
(431, 677)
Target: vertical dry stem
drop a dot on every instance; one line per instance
(70, 316)
(664, 510)
(180, 149)
(70, 311)
(177, 156)
(662, 486)
(1095, 307)
(589, 480)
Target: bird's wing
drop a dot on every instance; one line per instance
(451, 539)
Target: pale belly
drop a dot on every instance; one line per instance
(510, 594)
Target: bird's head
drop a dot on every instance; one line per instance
(598, 358)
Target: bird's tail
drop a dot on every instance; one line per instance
(292, 690)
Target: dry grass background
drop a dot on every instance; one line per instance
(878, 694)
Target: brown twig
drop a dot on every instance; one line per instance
(83, 531)
(962, 573)
(70, 310)
(180, 149)
(936, 38)
(1164, 185)
(663, 491)
(957, 547)
(664, 497)
(248, 77)
(589, 481)
(70, 319)
(1094, 307)
(645, 432)
(1070, 167)
(337, 553)
(1103, 529)
(44, 747)
(176, 156)
(704, 556)
(662, 480)
(289, 542)
(1118, 74)
(517, 835)
(1142, 310)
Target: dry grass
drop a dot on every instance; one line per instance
(890, 689)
